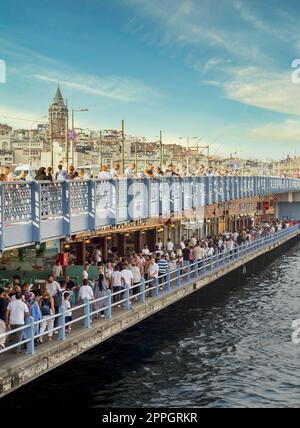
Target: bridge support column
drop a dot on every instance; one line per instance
(62, 323)
(87, 313)
(142, 291)
(178, 276)
(107, 312)
(127, 297)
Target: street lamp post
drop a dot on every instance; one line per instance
(100, 149)
(161, 154)
(123, 148)
(29, 135)
(73, 129)
(188, 152)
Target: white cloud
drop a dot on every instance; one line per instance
(113, 87)
(287, 131)
(266, 89)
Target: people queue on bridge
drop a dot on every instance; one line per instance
(19, 301)
(114, 172)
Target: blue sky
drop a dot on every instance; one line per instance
(206, 68)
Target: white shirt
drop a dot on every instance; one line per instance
(85, 274)
(129, 172)
(67, 305)
(86, 292)
(17, 310)
(153, 270)
(116, 278)
(127, 276)
(146, 252)
(159, 245)
(210, 251)
(182, 245)
(53, 287)
(193, 242)
(57, 270)
(170, 246)
(104, 175)
(136, 274)
(114, 173)
(98, 256)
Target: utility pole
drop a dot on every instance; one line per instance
(136, 155)
(123, 148)
(66, 136)
(51, 142)
(188, 156)
(100, 149)
(161, 148)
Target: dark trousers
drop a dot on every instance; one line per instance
(162, 279)
(16, 337)
(119, 296)
(136, 289)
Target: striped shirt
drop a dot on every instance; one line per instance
(163, 266)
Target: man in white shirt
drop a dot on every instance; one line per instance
(115, 171)
(52, 286)
(170, 246)
(182, 244)
(97, 255)
(193, 241)
(130, 171)
(137, 277)
(153, 273)
(116, 281)
(159, 245)
(16, 313)
(127, 276)
(57, 269)
(86, 292)
(146, 251)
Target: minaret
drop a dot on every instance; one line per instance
(58, 113)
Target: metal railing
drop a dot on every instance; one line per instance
(111, 304)
(34, 212)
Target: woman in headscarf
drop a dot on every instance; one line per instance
(41, 175)
(35, 313)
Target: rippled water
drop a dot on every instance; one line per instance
(227, 346)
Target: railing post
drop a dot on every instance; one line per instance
(62, 323)
(168, 285)
(107, 311)
(188, 271)
(142, 295)
(211, 263)
(204, 265)
(178, 282)
(87, 313)
(127, 298)
(30, 328)
(223, 257)
(156, 287)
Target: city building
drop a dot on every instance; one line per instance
(58, 118)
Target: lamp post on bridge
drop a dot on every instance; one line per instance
(188, 151)
(73, 129)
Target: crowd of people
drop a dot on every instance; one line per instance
(114, 172)
(19, 301)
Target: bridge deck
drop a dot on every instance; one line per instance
(17, 370)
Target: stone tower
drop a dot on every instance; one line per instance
(58, 117)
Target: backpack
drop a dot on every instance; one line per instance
(46, 307)
(58, 299)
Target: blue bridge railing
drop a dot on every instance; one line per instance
(113, 305)
(34, 212)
